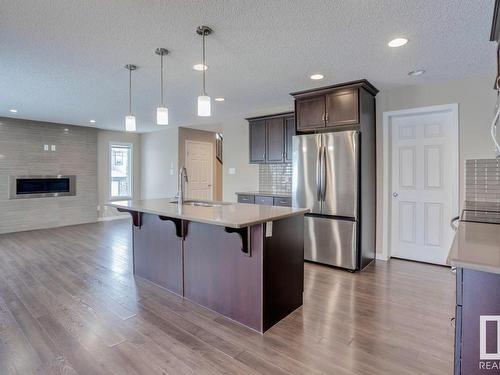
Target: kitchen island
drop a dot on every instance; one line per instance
(243, 261)
(475, 253)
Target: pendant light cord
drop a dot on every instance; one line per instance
(130, 91)
(161, 79)
(204, 65)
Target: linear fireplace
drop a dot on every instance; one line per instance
(41, 186)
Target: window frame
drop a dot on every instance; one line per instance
(130, 146)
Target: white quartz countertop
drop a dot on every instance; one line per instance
(476, 246)
(234, 215)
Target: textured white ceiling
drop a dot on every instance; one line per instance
(62, 60)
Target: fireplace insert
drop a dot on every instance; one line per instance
(41, 186)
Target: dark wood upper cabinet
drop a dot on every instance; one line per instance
(271, 138)
(330, 107)
(311, 113)
(275, 140)
(342, 108)
(495, 37)
(289, 133)
(257, 137)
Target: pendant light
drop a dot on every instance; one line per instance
(130, 118)
(162, 110)
(204, 100)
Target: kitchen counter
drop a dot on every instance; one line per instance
(476, 246)
(233, 215)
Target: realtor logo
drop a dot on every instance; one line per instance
(489, 344)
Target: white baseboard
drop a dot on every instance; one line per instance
(381, 257)
(110, 218)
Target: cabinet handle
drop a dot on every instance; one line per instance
(323, 117)
(263, 156)
(326, 117)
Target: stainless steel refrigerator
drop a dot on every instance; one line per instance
(326, 179)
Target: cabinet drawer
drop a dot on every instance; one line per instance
(283, 201)
(259, 199)
(246, 199)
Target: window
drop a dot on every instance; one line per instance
(121, 171)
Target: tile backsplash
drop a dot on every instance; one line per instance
(482, 180)
(275, 178)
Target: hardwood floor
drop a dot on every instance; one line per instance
(70, 305)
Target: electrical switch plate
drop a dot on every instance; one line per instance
(231, 171)
(269, 229)
(45, 147)
(53, 147)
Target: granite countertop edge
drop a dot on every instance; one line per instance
(233, 215)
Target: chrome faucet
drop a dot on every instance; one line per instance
(183, 177)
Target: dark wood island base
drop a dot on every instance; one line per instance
(253, 275)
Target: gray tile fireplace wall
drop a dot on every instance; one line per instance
(482, 180)
(275, 178)
(22, 153)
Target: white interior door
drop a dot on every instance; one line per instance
(424, 177)
(199, 164)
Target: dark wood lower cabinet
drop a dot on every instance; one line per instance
(478, 298)
(207, 265)
(267, 200)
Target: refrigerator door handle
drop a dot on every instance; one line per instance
(318, 174)
(323, 174)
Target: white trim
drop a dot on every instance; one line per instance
(384, 254)
(211, 162)
(131, 162)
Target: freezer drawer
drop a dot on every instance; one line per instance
(330, 241)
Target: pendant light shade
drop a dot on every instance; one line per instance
(204, 105)
(162, 116)
(130, 125)
(162, 110)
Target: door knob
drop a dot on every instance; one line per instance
(395, 194)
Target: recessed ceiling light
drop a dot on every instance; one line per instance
(13, 110)
(219, 99)
(398, 42)
(418, 72)
(200, 67)
(92, 121)
(317, 76)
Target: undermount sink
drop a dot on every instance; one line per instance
(201, 203)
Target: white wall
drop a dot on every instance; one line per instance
(104, 138)
(476, 102)
(235, 155)
(159, 163)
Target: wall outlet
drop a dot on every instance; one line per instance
(231, 171)
(53, 147)
(45, 147)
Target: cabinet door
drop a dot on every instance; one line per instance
(289, 133)
(257, 131)
(342, 108)
(275, 140)
(311, 113)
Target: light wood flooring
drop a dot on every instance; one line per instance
(69, 304)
